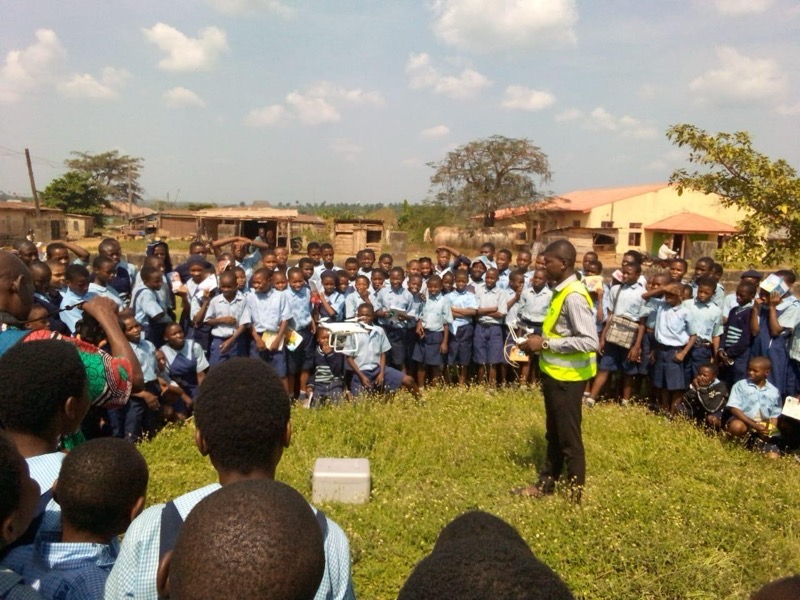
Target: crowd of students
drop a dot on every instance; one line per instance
(726, 360)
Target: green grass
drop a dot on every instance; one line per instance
(668, 512)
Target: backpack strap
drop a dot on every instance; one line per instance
(29, 537)
(322, 520)
(171, 525)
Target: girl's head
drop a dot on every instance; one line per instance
(396, 277)
(161, 250)
(296, 278)
(677, 269)
(241, 278)
(77, 277)
(386, 261)
(366, 259)
(378, 277)
(58, 275)
(197, 269)
(477, 270)
(351, 267)
(448, 281)
(174, 336)
(342, 282)
(104, 270)
(425, 267)
(131, 328)
(362, 284)
(328, 282)
(414, 283)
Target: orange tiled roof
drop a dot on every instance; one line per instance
(688, 222)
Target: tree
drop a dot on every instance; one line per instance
(75, 193)
(110, 171)
(486, 175)
(767, 191)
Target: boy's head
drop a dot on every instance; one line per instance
(677, 269)
(688, 292)
(111, 248)
(351, 267)
(261, 280)
(516, 279)
(539, 279)
(752, 276)
(706, 374)
(57, 252)
(77, 277)
(631, 272)
(27, 252)
(241, 277)
(242, 417)
(745, 293)
(279, 281)
(632, 257)
(362, 284)
(19, 494)
(788, 276)
(758, 369)
(152, 278)
(326, 252)
(716, 271)
(269, 260)
(104, 269)
(54, 401)
(657, 281)
(491, 277)
(396, 277)
(58, 275)
(702, 267)
(413, 267)
(37, 318)
(314, 252)
(306, 266)
(41, 275)
(296, 278)
(487, 250)
(503, 259)
(131, 328)
(365, 313)
(228, 285)
(342, 282)
(425, 267)
(673, 293)
(378, 277)
(706, 286)
(282, 254)
(443, 257)
(386, 262)
(323, 337)
(434, 285)
(283, 559)
(524, 259)
(366, 258)
(461, 280)
(174, 335)
(593, 267)
(198, 248)
(588, 258)
(101, 487)
(415, 283)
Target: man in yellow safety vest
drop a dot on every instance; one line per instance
(567, 359)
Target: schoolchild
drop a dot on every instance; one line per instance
(503, 260)
(705, 321)
(125, 274)
(186, 367)
(326, 382)
(488, 249)
(535, 301)
(331, 307)
(269, 314)
(523, 263)
(754, 406)
(730, 300)
(392, 308)
(300, 360)
(77, 277)
(327, 256)
(702, 269)
(477, 271)
(677, 270)
(516, 287)
(464, 307)
(425, 268)
(351, 266)
(379, 279)
(433, 333)
(737, 336)
(282, 259)
(228, 316)
(280, 282)
(59, 251)
(366, 258)
(487, 349)
(705, 398)
(103, 272)
(444, 262)
(386, 261)
(448, 282)
(196, 295)
(362, 294)
(165, 293)
(343, 286)
(241, 281)
(594, 268)
(38, 318)
(717, 271)
(269, 260)
(366, 355)
(46, 297)
(148, 309)
(306, 267)
(647, 362)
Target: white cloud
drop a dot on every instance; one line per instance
(26, 69)
(422, 74)
(600, 119)
(571, 114)
(741, 7)
(789, 110)
(268, 116)
(180, 97)
(247, 7)
(500, 25)
(435, 132)
(185, 53)
(320, 103)
(346, 149)
(84, 85)
(412, 161)
(740, 80)
(522, 98)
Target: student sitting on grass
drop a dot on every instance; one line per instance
(706, 397)
(326, 382)
(101, 489)
(366, 355)
(754, 405)
(242, 425)
(284, 558)
(186, 366)
(19, 495)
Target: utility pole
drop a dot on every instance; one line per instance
(130, 197)
(33, 184)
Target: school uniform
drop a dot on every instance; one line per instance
(267, 312)
(502, 279)
(327, 377)
(302, 357)
(627, 303)
(366, 349)
(758, 403)
(164, 292)
(250, 263)
(776, 348)
(12, 587)
(436, 315)
(184, 364)
(136, 418)
(218, 307)
(147, 306)
(736, 340)
(717, 299)
(533, 307)
(106, 291)
(389, 299)
(200, 333)
(52, 308)
(487, 343)
(672, 334)
(354, 300)
(700, 402)
(649, 338)
(462, 329)
(336, 301)
(705, 321)
(71, 317)
(123, 280)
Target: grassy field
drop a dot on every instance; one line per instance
(668, 512)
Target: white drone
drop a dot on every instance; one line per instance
(340, 331)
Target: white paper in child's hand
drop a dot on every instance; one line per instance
(791, 408)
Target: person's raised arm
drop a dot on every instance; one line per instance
(81, 253)
(216, 245)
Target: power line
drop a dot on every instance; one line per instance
(39, 159)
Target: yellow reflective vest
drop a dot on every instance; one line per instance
(573, 366)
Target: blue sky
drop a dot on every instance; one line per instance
(345, 101)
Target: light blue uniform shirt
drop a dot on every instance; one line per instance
(492, 298)
(300, 305)
(534, 305)
(148, 305)
(163, 292)
(626, 301)
(220, 307)
(390, 299)
(44, 470)
(672, 325)
(146, 353)
(502, 279)
(268, 310)
(757, 403)
(705, 320)
(354, 300)
(73, 571)
(106, 292)
(436, 312)
(134, 574)
(336, 300)
(370, 347)
(250, 263)
(790, 312)
(12, 588)
(195, 292)
(719, 294)
(71, 317)
(463, 299)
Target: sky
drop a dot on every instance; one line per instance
(307, 101)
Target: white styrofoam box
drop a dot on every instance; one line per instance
(341, 480)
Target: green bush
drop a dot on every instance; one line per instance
(668, 512)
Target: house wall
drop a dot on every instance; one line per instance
(78, 227)
(179, 227)
(15, 223)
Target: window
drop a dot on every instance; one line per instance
(576, 223)
(635, 225)
(374, 237)
(634, 239)
(606, 224)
